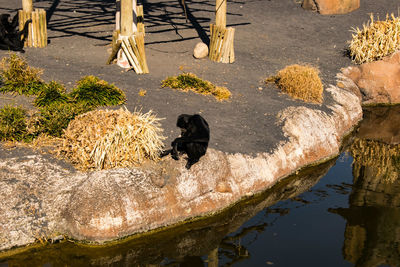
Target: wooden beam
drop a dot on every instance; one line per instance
(27, 6)
(220, 13)
(126, 18)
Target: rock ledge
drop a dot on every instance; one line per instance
(41, 199)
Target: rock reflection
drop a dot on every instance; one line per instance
(183, 245)
(372, 235)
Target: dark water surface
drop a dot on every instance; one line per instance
(342, 213)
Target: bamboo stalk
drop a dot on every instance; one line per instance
(115, 48)
(212, 42)
(140, 19)
(34, 29)
(139, 38)
(226, 46)
(30, 27)
(135, 51)
(232, 50)
(41, 30)
(44, 27)
(130, 54)
(221, 36)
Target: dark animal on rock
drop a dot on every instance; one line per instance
(195, 135)
(10, 37)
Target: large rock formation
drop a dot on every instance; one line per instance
(41, 199)
(376, 82)
(329, 7)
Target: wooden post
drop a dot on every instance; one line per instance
(126, 18)
(27, 6)
(220, 13)
(128, 43)
(140, 19)
(117, 15)
(37, 31)
(221, 41)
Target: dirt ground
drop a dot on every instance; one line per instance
(270, 34)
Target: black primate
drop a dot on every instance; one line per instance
(10, 37)
(195, 135)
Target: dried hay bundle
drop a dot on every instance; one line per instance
(189, 81)
(301, 82)
(384, 158)
(376, 40)
(105, 139)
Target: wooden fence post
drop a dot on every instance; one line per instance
(37, 31)
(126, 18)
(27, 6)
(220, 13)
(128, 43)
(221, 42)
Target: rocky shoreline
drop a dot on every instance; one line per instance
(42, 199)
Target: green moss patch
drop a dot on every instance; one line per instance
(91, 91)
(51, 93)
(189, 81)
(13, 124)
(18, 77)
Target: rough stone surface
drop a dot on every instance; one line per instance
(41, 199)
(200, 50)
(376, 82)
(329, 7)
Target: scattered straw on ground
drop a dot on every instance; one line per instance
(300, 82)
(105, 139)
(189, 81)
(376, 40)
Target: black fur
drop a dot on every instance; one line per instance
(195, 135)
(10, 37)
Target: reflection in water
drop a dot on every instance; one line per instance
(372, 235)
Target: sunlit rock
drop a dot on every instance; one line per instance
(328, 7)
(200, 50)
(378, 82)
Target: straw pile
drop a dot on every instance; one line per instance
(105, 139)
(376, 40)
(189, 81)
(300, 82)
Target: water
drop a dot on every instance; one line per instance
(341, 213)
(301, 231)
